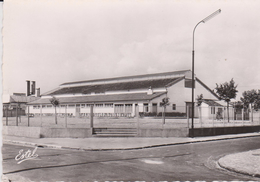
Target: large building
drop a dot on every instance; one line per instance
(124, 96)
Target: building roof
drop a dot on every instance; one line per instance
(206, 87)
(102, 88)
(22, 99)
(101, 98)
(180, 73)
(211, 102)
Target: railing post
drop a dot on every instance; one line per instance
(91, 119)
(137, 118)
(17, 115)
(243, 117)
(188, 116)
(66, 116)
(6, 116)
(41, 114)
(199, 108)
(28, 115)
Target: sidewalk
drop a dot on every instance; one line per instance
(245, 162)
(98, 143)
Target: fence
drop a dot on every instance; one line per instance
(224, 117)
(148, 117)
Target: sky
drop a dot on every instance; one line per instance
(57, 41)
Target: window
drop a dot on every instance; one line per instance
(62, 106)
(188, 83)
(43, 106)
(212, 110)
(71, 105)
(128, 108)
(36, 107)
(173, 106)
(98, 105)
(49, 106)
(83, 105)
(88, 105)
(109, 105)
(146, 107)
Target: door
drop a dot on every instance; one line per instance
(78, 110)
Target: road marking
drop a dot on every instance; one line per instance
(148, 161)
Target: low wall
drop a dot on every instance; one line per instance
(224, 130)
(173, 132)
(65, 132)
(40, 132)
(22, 131)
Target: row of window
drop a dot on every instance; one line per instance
(96, 105)
(73, 105)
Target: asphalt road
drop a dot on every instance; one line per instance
(170, 163)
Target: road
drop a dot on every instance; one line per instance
(170, 163)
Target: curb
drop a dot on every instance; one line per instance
(33, 144)
(130, 148)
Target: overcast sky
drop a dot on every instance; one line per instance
(57, 41)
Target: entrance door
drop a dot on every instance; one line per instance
(154, 108)
(189, 107)
(78, 110)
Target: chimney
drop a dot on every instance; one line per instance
(38, 92)
(150, 91)
(28, 87)
(33, 88)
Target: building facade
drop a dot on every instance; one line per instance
(124, 96)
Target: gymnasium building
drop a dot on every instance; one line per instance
(124, 96)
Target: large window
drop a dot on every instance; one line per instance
(212, 110)
(128, 108)
(98, 105)
(36, 107)
(146, 109)
(174, 107)
(108, 104)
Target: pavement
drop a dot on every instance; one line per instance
(234, 162)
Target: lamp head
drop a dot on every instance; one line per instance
(211, 16)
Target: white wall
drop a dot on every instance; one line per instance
(202, 90)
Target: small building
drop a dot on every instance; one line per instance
(125, 96)
(211, 109)
(15, 105)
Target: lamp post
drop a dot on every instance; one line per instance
(193, 81)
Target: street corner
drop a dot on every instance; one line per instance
(244, 163)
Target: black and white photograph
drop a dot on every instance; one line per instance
(130, 90)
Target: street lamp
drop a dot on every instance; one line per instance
(193, 81)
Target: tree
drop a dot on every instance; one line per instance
(199, 102)
(226, 92)
(251, 98)
(55, 102)
(199, 99)
(164, 103)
